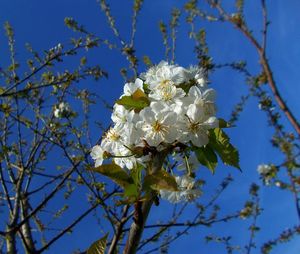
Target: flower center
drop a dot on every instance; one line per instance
(112, 135)
(194, 127)
(167, 89)
(158, 127)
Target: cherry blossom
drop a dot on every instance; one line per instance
(174, 110)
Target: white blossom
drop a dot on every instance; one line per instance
(97, 155)
(187, 190)
(196, 73)
(180, 110)
(121, 115)
(157, 127)
(264, 169)
(204, 98)
(113, 140)
(130, 88)
(165, 74)
(195, 126)
(166, 91)
(61, 110)
(124, 158)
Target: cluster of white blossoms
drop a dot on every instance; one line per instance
(61, 110)
(179, 109)
(264, 169)
(267, 173)
(187, 190)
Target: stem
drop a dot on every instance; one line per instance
(119, 231)
(11, 242)
(294, 191)
(142, 209)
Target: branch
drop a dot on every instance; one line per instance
(294, 190)
(46, 200)
(241, 26)
(42, 66)
(119, 231)
(265, 26)
(67, 229)
(142, 209)
(188, 225)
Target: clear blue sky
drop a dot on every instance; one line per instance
(41, 24)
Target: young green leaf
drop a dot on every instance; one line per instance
(207, 157)
(138, 95)
(98, 247)
(137, 101)
(220, 142)
(161, 180)
(131, 191)
(116, 173)
(136, 174)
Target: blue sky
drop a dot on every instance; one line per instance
(41, 24)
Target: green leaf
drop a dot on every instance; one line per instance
(207, 157)
(220, 142)
(139, 94)
(116, 173)
(137, 101)
(98, 247)
(161, 180)
(131, 190)
(136, 174)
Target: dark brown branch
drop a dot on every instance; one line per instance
(241, 26)
(265, 26)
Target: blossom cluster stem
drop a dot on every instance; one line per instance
(137, 226)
